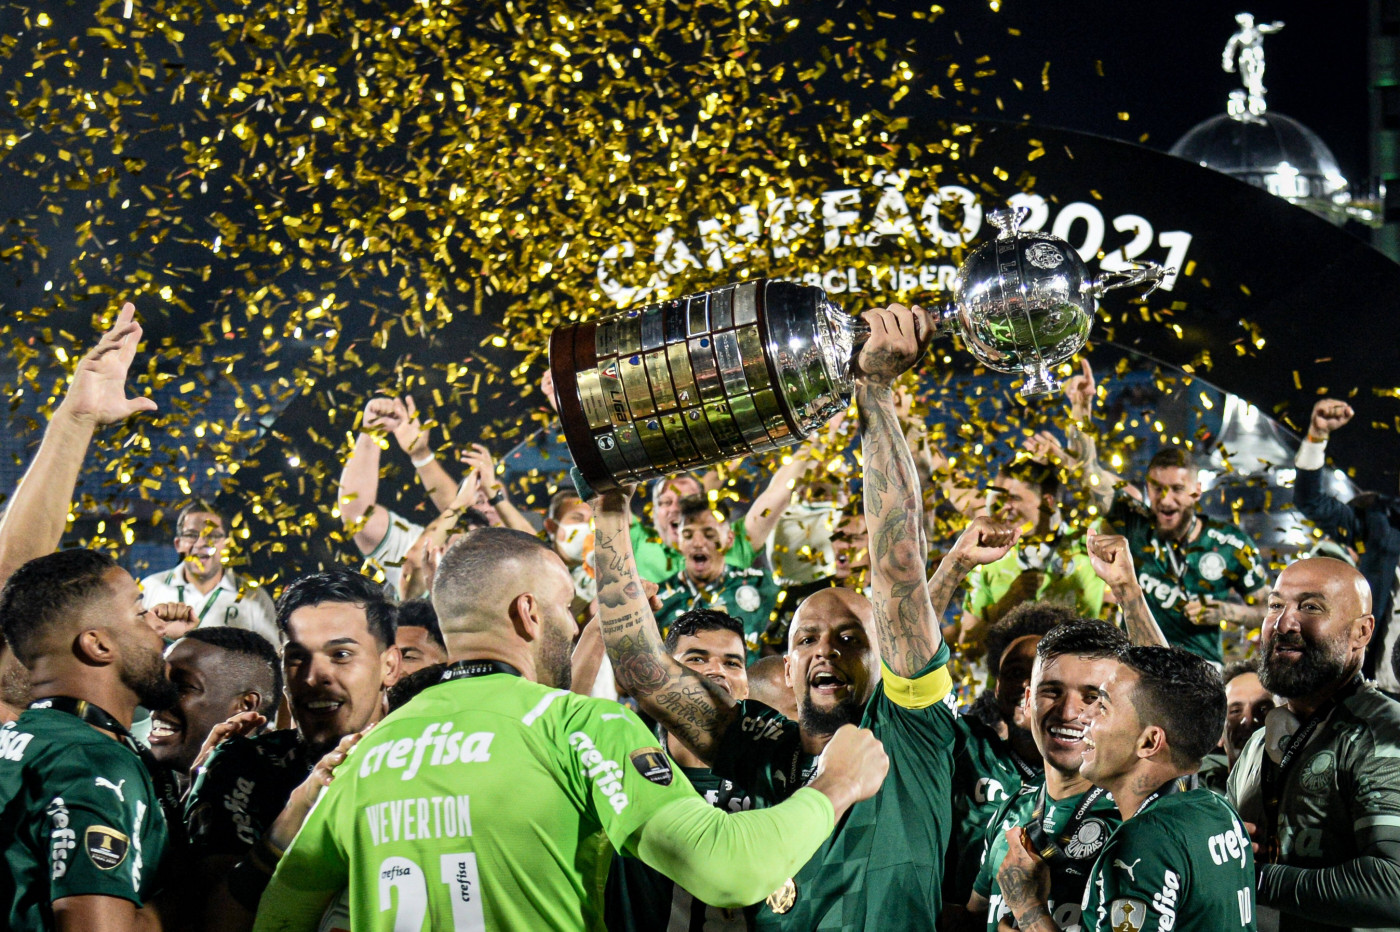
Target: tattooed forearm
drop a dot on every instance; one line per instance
(1142, 626)
(944, 583)
(666, 690)
(904, 617)
(1098, 482)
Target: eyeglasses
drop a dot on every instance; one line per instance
(214, 535)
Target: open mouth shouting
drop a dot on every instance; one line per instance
(828, 683)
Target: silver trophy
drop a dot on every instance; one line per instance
(762, 364)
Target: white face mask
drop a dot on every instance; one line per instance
(571, 539)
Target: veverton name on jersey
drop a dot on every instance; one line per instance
(605, 773)
(419, 818)
(449, 747)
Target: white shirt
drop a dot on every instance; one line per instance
(250, 609)
(387, 555)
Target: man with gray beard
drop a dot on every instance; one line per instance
(1320, 782)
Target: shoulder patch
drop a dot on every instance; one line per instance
(106, 847)
(1127, 915)
(653, 764)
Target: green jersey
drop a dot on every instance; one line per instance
(1338, 822)
(488, 802)
(986, 773)
(1220, 560)
(1182, 863)
(80, 817)
(657, 562)
(883, 866)
(749, 595)
(1063, 575)
(1080, 826)
(242, 789)
(642, 899)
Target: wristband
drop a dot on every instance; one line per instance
(499, 497)
(425, 460)
(1312, 439)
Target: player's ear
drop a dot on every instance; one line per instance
(95, 647)
(1361, 630)
(525, 616)
(247, 702)
(1152, 742)
(390, 669)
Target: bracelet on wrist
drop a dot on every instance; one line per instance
(1313, 438)
(424, 460)
(499, 497)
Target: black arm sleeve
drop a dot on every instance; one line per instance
(1366, 889)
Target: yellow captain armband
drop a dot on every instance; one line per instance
(921, 693)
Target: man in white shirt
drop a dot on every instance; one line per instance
(212, 594)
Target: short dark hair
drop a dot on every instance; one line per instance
(1025, 619)
(1041, 475)
(340, 585)
(402, 692)
(263, 669)
(1082, 637)
(1182, 694)
(1171, 458)
(44, 591)
(419, 613)
(1238, 668)
(559, 500)
(197, 506)
(476, 557)
(693, 506)
(701, 619)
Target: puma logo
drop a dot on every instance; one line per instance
(114, 787)
(1128, 867)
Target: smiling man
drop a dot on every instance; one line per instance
(338, 659)
(1180, 859)
(1189, 564)
(219, 672)
(211, 593)
(1321, 780)
(1070, 820)
(707, 581)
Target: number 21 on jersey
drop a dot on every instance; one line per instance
(458, 873)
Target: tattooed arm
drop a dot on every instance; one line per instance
(1113, 562)
(1025, 885)
(685, 703)
(983, 541)
(907, 625)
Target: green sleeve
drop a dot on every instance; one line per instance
(1134, 866)
(1089, 587)
(653, 560)
(94, 834)
(730, 860)
(992, 851)
(978, 594)
(741, 554)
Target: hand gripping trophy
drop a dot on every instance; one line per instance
(762, 364)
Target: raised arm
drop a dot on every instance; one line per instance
(1100, 483)
(685, 703)
(907, 626)
(1113, 562)
(983, 541)
(418, 563)
(37, 516)
(413, 438)
(358, 490)
(479, 458)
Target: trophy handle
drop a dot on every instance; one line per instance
(944, 319)
(1147, 273)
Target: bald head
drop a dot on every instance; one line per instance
(1343, 583)
(1316, 629)
(834, 605)
(483, 573)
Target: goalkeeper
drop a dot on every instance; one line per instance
(495, 799)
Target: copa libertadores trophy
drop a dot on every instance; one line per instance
(762, 364)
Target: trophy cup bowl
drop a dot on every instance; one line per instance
(755, 366)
